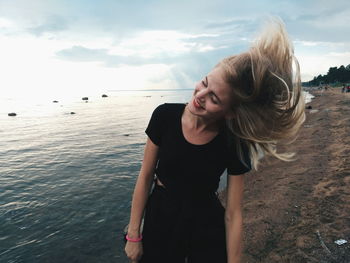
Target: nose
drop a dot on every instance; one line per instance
(201, 94)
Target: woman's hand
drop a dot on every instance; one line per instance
(134, 251)
(233, 218)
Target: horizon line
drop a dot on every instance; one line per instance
(147, 89)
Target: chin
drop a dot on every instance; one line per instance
(191, 108)
(194, 110)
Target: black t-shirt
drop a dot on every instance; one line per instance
(187, 167)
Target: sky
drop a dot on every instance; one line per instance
(87, 46)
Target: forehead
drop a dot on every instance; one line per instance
(218, 85)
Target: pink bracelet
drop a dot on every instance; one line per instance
(133, 239)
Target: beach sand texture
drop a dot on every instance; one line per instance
(287, 203)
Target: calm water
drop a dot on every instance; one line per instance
(66, 180)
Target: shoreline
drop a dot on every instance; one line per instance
(291, 208)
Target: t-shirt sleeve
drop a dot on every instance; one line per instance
(155, 126)
(237, 166)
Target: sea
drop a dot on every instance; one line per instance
(67, 171)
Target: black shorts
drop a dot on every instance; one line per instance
(178, 230)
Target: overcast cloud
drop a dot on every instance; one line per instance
(183, 38)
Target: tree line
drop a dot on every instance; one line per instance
(334, 75)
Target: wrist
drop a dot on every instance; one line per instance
(132, 239)
(133, 234)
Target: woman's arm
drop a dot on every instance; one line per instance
(142, 188)
(233, 218)
(134, 250)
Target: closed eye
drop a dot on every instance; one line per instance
(213, 98)
(205, 83)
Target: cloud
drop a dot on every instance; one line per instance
(238, 26)
(7, 27)
(82, 54)
(166, 43)
(186, 37)
(184, 69)
(188, 56)
(5, 23)
(327, 22)
(149, 47)
(52, 24)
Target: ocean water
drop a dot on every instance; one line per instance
(66, 180)
(308, 97)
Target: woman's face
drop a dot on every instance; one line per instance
(212, 97)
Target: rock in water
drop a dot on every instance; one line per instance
(104, 96)
(55, 101)
(85, 98)
(12, 114)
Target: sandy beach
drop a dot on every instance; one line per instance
(294, 211)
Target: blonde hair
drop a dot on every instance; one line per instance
(268, 103)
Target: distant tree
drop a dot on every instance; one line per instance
(341, 74)
(347, 72)
(334, 75)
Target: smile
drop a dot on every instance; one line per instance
(196, 104)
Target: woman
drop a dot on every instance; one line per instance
(240, 110)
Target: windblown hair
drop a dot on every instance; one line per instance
(268, 103)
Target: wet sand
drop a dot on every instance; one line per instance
(287, 203)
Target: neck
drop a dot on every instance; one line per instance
(198, 123)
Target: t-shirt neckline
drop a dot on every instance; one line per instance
(183, 136)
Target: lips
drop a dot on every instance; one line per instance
(196, 104)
